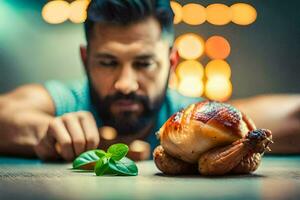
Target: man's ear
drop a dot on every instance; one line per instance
(83, 55)
(174, 58)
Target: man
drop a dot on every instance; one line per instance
(127, 61)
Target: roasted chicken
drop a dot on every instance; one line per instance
(210, 138)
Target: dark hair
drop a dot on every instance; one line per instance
(126, 12)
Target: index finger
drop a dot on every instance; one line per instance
(90, 130)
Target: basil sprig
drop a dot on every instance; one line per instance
(112, 162)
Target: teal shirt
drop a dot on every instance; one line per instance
(74, 96)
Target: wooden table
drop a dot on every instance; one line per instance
(277, 178)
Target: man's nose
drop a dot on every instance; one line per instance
(127, 80)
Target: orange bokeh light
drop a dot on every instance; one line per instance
(56, 12)
(190, 46)
(191, 86)
(108, 133)
(190, 68)
(243, 14)
(177, 9)
(217, 68)
(218, 89)
(218, 14)
(193, 14)
(78, 13)
(217, 47)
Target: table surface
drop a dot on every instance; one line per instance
(278, 177)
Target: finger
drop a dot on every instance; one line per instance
(90, 130)
(45, 149)
(58, 131)
(73, 126)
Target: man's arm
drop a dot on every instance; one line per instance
(24, 117)
(28, 126)
(280, 114)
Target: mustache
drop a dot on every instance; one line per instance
(131, 96)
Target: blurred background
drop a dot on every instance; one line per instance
(228, 48)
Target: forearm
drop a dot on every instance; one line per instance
(24, 117)
(21, 130)
(280, 114)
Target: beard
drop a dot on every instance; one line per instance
(126, 122)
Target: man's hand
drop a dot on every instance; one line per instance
(68, 136)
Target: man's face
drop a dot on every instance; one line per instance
(128, 69)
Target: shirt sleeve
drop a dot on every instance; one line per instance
(63, 97)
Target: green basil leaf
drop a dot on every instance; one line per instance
(125, 166)
(118, 151)
(100, 153)
(101, 166)
(87, 160)
(108, 155)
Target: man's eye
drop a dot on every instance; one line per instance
(108, 63)
(143, 64)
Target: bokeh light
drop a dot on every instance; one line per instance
(218, 89)
(108, 133)
(78, 11)
(139, 150)
(190, 46)
(177, 9)
(243, 14)
(217, 47)
(190, 68)
(218, 14)
(56, 12)
(193, 14)
(191, 87)
(217, 68)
